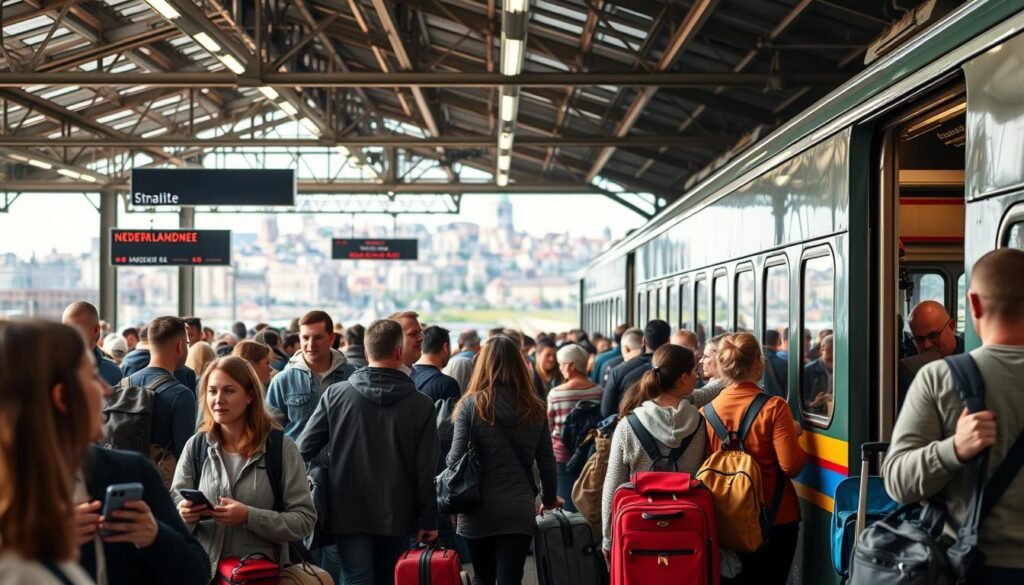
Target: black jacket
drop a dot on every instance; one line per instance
(508, 501)
(435, 384)
(175, 557)
(381, 436)
(618, 382)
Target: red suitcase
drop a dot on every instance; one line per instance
(428, 565)
(664, 532)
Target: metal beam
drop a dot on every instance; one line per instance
(419, 79)
(186, 274)
(684, 33)
(108, 272)
(347, 188)
(564, 141)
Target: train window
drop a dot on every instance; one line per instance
(745, 301)
(818, 313)
(721, 306)
(1015, 239)
(928, 286)
(961, 303)
(685, 305)
(650, 309)
(673, 307)
(702, 324)
(776, 328)
(656, 311)
(640, 310)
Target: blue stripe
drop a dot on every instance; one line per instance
(819, 478)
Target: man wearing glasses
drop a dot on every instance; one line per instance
(934, 335)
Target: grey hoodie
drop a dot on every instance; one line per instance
(382, 442)
(293, 394)
(668, 426)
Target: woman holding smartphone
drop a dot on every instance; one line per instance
(232, 474)
(42, 365)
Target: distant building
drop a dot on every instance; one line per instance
(535, 292)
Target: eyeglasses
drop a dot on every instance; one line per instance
(932, 337)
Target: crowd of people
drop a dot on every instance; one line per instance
(239, 426)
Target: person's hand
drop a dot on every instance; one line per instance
(974, 433)
(426, 536)
(230, 512)
(818, 401)
(134, 523)
(559, 502)
(191, 513)
(87, 521)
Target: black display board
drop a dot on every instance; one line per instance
(348, 249)
(191, 187)
(170, 247)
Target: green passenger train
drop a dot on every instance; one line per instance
(880, 196)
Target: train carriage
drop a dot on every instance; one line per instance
(880, 196)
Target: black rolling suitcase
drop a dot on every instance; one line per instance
(566, 551)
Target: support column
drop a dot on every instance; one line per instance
(186, 274)
(108, 272)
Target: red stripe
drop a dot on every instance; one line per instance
(933, 239)
(932, 201)
(825, 463)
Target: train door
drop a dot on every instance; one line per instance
(920, 231)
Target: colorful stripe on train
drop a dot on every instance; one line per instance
(827, 464)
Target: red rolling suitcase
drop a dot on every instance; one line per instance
(664, 532)
(428, 565)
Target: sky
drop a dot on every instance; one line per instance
(39, 223)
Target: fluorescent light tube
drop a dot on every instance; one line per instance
(310, 126)
(508, 108)
(504, 162)
(288, 108)
(69, 173)
(502, 180)
(164, 8)
(511, 56)
(232, 64)
(207, 42)
(516, 6)
(270, 92)
(505, 140)
(343, 151)
(18, 157)
(40, 163)
(89, 178)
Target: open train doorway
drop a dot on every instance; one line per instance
(921, 235)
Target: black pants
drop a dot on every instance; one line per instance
(1001, 576)
(770, 564)
(499, 560)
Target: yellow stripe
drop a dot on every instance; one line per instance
(827, 448)
(814, 496)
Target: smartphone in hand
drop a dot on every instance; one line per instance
(117, 496)
(196, 497)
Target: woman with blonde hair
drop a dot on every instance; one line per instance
(200, 355)
(771, 441)
(258, 355)
(229, 459)
(507, 423)
(43, 366)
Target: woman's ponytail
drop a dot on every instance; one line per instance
(668, 364)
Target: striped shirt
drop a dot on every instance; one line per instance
(560, 403)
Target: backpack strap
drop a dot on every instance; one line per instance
(162, 383)
(197, 453)
(748, 417)
(273, 458)
(1003, 476)
(55, 571)
(649, 444)
(716, 424)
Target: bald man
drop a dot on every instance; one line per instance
(935, 438)
(85, 318)
(934, 334)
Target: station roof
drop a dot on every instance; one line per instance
(613, 97)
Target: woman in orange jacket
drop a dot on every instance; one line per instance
(772, 442)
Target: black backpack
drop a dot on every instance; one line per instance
(583, 418)
(128, 414)
(907, 547)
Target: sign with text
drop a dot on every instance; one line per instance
(192, 187)
(405, 249)
(170, 247)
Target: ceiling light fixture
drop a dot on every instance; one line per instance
(288, 108)
(313, 129)
(207, 42)
(502, 179)
(89, 178)
(69, 173)
(511, 56)
(39, 163)
(508, 108)
(516, 6)
(505, 141)
(164, 8)
(504, 162)
(270, 92)
(233, 64)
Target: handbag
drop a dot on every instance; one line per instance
(252, 569)
(459, 486)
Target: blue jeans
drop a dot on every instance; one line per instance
(565, 482)
(327, 558)
(368, 559)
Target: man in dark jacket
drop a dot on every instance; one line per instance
(656, 334)
(138, 359)
(84, 317)
(380, 434)
(173, 556)
(776, 369)
(355, 352)
(426, 372)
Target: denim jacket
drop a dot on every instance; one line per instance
(293, 394)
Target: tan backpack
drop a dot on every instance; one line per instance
(589, 487)
(734, 478)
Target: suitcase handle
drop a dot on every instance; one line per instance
(869, 449)
(669, 516)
